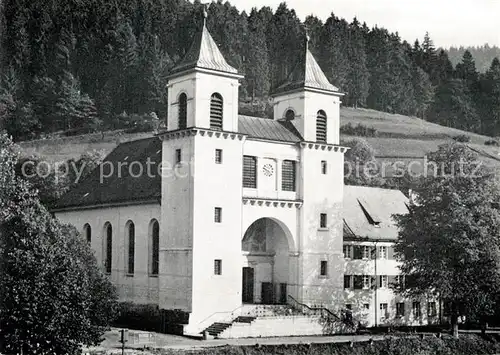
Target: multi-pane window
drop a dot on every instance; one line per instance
(400, 309)
(288, 175)
(383, 252)
(218, 215)
(182, 119)
(431, 309)
(383, 281)
(399, 282)
(384, 311)
(178, 156)
(347, 281)
(217, 267)
(366, 306)
(131, 248)
(218, 156)
(324, 268)
(348, 251)
(87, 231)
(321, 126)
(155, 247)
(249, 172)
(417, 312)
(322, 220)
(324, 167)
(367, 282)
(216, 111)
(108, 247)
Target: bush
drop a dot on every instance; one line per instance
(491, 142)
(359, 130)
(462, 138)
(138, 316)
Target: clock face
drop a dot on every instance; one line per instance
(268, 170)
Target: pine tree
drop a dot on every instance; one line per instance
(489, 102)
(257, 61)
(333, 54)
(358, 79)
(423, 91)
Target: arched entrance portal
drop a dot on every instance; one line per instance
(265, 248)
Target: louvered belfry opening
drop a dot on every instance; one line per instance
(288, 175)
(182, 111)
(216, 111)
(321, 126)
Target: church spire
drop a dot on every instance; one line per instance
(307, 74)
(203, 53)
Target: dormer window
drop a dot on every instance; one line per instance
(290, 115)
(321, 126)
(216, 112)
(182, 111)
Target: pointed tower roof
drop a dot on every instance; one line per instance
(203, 54)
(307, 74)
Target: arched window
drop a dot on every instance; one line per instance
(216, 111)
(108, 247)
(321, 126)
(87, 232)
(130, 228)
(290, 115)
(182, 111)
(154, 231)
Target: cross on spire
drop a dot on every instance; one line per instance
(205, 13)
(308, 38)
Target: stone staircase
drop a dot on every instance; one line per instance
(294, 319)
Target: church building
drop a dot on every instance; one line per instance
(219, 211)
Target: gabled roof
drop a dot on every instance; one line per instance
(203, 53)
(306, 74)
(117, 185)
(368, 212)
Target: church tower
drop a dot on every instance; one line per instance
(201, 183)
(311, 103)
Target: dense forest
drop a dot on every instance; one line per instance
(483, 55)
(89, 65)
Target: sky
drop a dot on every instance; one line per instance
(449, 22)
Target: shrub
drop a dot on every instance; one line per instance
(462, 138)
(491, 142)
(138, 316)
(359, 130)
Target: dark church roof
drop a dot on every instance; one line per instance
(120, 187)
(204, 53)
(306, 74)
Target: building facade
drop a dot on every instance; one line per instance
(219, 210)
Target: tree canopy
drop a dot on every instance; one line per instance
(449, 242)
(54, 297)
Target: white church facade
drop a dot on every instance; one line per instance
(244, 210)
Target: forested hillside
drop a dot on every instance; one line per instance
(89, 65)
(483, 55)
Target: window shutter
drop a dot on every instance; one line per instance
(358, 252)
(373, 252)
(391, 281)
(216, 112)
(321, 126)
(288, 175)
(390, 253)
(373, 282)
(358, 282)
(250, 172)
(182, 111)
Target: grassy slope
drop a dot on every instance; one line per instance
(399, 136)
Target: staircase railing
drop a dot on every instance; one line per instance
(324, 312)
